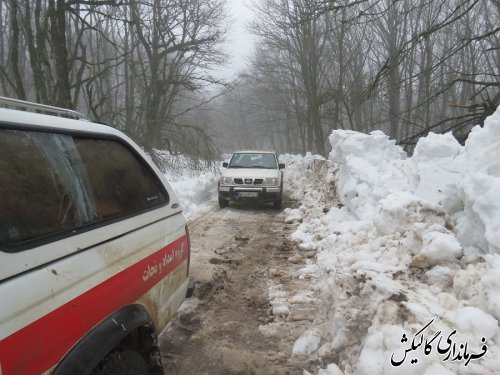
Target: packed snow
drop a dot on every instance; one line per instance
(196, 191)
(407, 253)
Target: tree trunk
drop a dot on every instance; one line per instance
(14, 52)
(57, 10)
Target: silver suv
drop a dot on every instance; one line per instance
(252, 176)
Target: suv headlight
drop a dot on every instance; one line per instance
(271, 181)
(226, 180)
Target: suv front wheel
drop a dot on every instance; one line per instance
(223, 203)
(277, 204)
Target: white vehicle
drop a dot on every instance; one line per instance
(252, 176)
(94, 249)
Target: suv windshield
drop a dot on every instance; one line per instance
(253, 160)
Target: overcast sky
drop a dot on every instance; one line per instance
(239, 44)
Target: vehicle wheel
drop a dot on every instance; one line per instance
(128, 362)
(277, 204)
(223, 203)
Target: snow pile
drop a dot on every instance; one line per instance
(301, 178)
(195, 189)
(478, 223)
(406, 244)
(372, 169)
(439, 162)
(310, 181)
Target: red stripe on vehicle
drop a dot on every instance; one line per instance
(41, 345)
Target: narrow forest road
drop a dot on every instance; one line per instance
(242, 259)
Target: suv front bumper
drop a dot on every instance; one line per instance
(241, 194)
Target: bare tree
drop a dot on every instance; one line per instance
(406, 67)
(137, 63)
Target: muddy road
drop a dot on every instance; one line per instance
(241, 258)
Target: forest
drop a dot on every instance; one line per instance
(147, 67)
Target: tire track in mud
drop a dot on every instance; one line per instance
(238, 253)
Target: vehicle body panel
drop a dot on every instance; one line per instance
(56, 293)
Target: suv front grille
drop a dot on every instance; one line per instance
(248, 181)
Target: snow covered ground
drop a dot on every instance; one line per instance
(407, 266)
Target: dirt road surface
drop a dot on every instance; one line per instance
(239, 255)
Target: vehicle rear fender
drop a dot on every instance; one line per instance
(105, 337)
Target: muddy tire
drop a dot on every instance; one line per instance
(223, 203)
(128, 362)
(277, 204)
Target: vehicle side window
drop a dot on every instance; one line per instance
(121, 184)
(52, 184)
(40, 195)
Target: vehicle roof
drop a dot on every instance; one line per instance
(34, 120)
(255, 151)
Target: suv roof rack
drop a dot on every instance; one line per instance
(41, 108)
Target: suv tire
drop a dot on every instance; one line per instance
(277, 204)
(223, 203)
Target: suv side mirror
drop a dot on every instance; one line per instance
(224, 165)
(282, 166)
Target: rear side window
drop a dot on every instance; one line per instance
(40, 193)
(55, 184)
(121, 184)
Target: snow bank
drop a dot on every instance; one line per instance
(438, 160)
(478, 225)
(371, 169)
(401, 243)
(195, 189)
